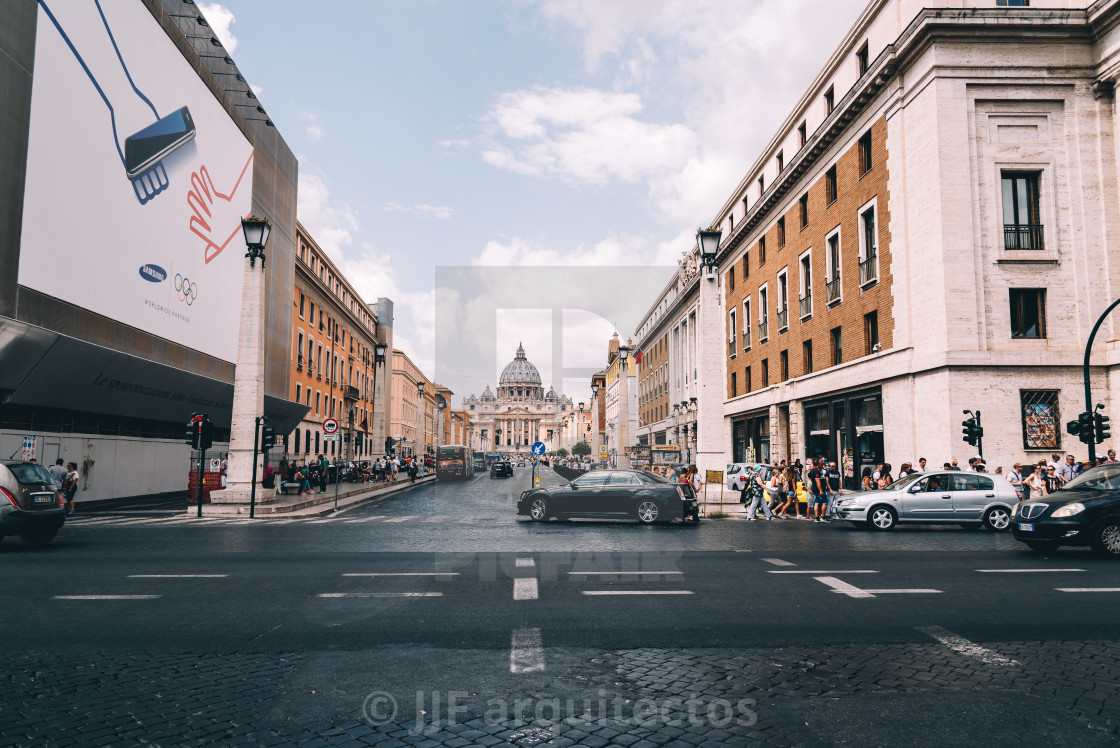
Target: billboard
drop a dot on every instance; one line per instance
(137, 179)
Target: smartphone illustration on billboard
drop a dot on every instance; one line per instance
(149, 146)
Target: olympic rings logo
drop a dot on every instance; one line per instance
(187, 290)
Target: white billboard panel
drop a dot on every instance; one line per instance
(137, 179)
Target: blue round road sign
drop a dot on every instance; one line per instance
(539, 448)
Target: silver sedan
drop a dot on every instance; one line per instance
(949, 497)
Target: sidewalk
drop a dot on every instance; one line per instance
(315, 505)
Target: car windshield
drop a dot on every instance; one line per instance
(1100, 478)
(28, 473)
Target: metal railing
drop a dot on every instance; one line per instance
(783, 319)
(1022, 236)
(832, 290)
(762, 331)
(731, 347)
(869, 270)
(806, 305)
(746, 339)
(299, 363)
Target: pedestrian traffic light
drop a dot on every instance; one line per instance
(268, 437)
(1101, 423)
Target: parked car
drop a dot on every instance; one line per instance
(501, 468)
(617, 494)
(738, 474)
(944, 497)
(30, 503)
(1086, 511)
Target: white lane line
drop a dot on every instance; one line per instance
(778, 562)
(637, 592)
(1022, 571)
(178, 576)
(1087, 589)
(106, 597)
(402, 519)
(379, 594)
(526, 653)
(525, 563)
(965, 647)
(403, 574)
(841, 571)
(843, 587)
(525, 588)
(915, 591)
(621, 573)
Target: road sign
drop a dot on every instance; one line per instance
(602, 451)
(215, 464)
(330, 426)
(331, 437)
(539, 449)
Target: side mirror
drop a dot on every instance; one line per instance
(916, 488)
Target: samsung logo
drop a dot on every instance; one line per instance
(153, 273)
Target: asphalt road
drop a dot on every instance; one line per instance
(285, 631)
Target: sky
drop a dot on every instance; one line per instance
(443, 137)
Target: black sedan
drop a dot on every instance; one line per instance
(501, 468)
(1085, 512)
(613, 494)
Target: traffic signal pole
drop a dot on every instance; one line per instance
(253, 481)
(1088, 388)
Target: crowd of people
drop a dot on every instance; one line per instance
(387, 469)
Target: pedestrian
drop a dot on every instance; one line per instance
(999, 470)
(1112, 455)
(58, 472)
(223, 469)
(1015, 477)
(70, 487)
(865, 482)
(954, 465)
(885, 478)
(305, 481)
(1033, 486)
(1067, 471)
(904, 471)
(758, 497)
(1055, 462)
(835, 488)
(818, 487)
(412, 469)
(922, 464)
(778, 485)
(396, 467)
(1052, 480)
(324, 469)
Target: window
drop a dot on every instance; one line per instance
(747, 323)
(299, 392)
(761, 251)
(863, 59)
(732, 329)
(731, 279)
(299, 353)
(865, 162)
(803, 205)
(301, 304)
(312, 316)
(830, 185)
(783, 301)
(868, 247)
(829, 100)
(745, 206)
(807, 355)
(1028, 312)
(747, 381)
(783, 357)
(871, 332)
(837, 350)
(730, 222)
(781, 159)
(765, 372)
(1022, 228)
(746, 265)
(317, 396)
(805, 266)
(832, 267)
(802, 135)
(734, 385)
(763, 314)
(1041, 419)
(781, 232)
(761, 186)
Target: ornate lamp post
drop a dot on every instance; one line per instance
(379, 436)
(421, 416)
(622, 444)
(710, 426)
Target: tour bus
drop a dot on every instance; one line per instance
(491, 458)
(454, 461)
(479, 461)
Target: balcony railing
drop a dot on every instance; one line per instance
(352, 393)
(806, 306)
(832, 290)
(746, 339)
(763, 326)
(869, 270)
(1022, 236)
(299, 363)
(731, 347)
(783, 319)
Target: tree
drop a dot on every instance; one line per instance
(581, 449)
(562, 452)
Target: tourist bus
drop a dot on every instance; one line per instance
(491, 458)
(479, 461)
(454, 461)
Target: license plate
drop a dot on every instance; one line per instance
(1026, 528)
(43, 499)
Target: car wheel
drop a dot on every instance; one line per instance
(882, 518)
(997, 519)
(1045, 547)
(39, 538)
(647, 512)
(538, 510)
(1105, 538)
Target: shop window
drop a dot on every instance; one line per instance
(1013, 3)
(1028, 312)
(1041, 419)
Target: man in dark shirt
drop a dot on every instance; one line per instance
(833, 478)
(818, 489)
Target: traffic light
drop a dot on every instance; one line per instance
(1082, 428)
(969, 431)
(192, 430)
(200, 431)
(1101, 430)
(268, 437)
(589, 428)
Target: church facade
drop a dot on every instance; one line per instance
(520, 413)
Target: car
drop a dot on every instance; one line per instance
(31, 503)
(501, 468)
(1086, 511)
(738, 475)
(613, 494)
(938, 497)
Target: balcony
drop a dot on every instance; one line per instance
(832, 290)
(1022, 236)
(299, 363)
(763, 326)
(806, 306)
(731, 347)
(351, 393)
(783, 319)
(869, 270)
(746, 339)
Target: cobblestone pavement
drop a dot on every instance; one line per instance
(1042, 693)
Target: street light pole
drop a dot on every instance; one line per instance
(623, 441)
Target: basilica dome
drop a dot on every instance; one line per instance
(520, 371)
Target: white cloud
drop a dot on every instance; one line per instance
(422, 210)
(611, 251)
(332, 223)
(453, 143)
(256, 89)
(314, 128)
(220, 19)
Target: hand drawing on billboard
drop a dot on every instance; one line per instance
(144, 150)
(224, 221)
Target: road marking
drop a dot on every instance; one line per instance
(401, 519)
(965, 647)
(1087, 589)
(843, 587)
(379, 594)
(403, 574)
(106, 597)
(365, 519)
(525, 563)
(778, 562)
(178, 576)
(525, 588)
(914, 591)
(637, 592)
(436, 519)
(619, 573)
(841, 571)
(1022, 571)
(526, 653)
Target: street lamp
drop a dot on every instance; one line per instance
(708, 242)
(379, 353)
(256, 232)
(623, 441)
